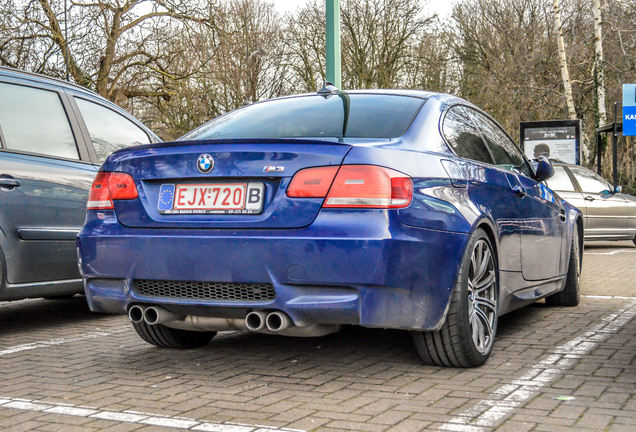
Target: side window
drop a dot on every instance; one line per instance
(109, 130)
(560, 181)
(505, 152)
(33, 120)
(590, 181)
(463, 137)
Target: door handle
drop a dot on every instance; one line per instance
(9, 182)
(589, 198)
(520, 190)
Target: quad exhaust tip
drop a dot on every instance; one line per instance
(154, 315)
(151, 315)
(255, 321)
(136, 314)
(277, 321)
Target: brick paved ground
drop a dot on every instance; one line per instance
(66, 369)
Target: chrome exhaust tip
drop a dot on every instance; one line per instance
(136, 314)
(277, 321)
(154, 315)
(255, 321)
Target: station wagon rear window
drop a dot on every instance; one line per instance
(338, 115)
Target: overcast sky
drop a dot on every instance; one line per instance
(442, 7)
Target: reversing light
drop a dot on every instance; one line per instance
(110, 186)
(369, 186)
(354, 186)
(312, 182)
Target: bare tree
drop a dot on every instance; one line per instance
(599, 59)
(305, 46)
(563, 61)
(110, 42)
(377, 39)
(241, 62)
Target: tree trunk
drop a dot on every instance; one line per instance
(565, 74)
(599, 64)
(58, 37)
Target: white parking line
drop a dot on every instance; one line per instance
(603, 297)
(614, 252)
(487, 413)
(133, 417)
(61, 341)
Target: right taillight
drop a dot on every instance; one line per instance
(370, 186)
(354, 186)
(109, 186)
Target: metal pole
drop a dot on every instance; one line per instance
(615, 146)
(66, 41)
(598, 152)
(333, 43)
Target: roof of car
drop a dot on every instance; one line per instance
(567, 165)
(396, 92)
(36, 77)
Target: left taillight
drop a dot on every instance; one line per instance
(110, 186)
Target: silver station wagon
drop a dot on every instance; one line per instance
(608, 213)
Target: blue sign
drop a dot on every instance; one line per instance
(629, 109)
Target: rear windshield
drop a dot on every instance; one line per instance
(339, 115)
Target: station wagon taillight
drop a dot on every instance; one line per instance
(354, 186)
(109, 186)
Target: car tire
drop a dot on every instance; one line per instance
(3, 272)
(468, 333)
(634, 240)
(166, 337)
(570, 296)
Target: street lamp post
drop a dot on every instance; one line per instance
(333, 43)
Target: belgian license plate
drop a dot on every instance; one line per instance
(216, 198)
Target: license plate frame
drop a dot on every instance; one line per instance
(232, 198)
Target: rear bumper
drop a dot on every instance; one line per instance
(345, 268)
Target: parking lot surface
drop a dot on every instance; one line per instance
(64, 369)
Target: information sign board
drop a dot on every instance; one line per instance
(558, 140)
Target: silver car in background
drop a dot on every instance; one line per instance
(608, 213)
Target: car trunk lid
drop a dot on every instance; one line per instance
(221, 184)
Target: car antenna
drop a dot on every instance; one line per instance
(328, 88)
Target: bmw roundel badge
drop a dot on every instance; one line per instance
(205, 163)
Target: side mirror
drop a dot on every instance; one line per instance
(544, 169)
(618, 189)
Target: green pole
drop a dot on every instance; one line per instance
(333, 42)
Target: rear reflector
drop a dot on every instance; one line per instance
(312, 182)
(369, 186)
(109, 186)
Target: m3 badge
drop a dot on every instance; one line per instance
(274, 169)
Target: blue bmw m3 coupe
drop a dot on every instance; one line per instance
(379, 208)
